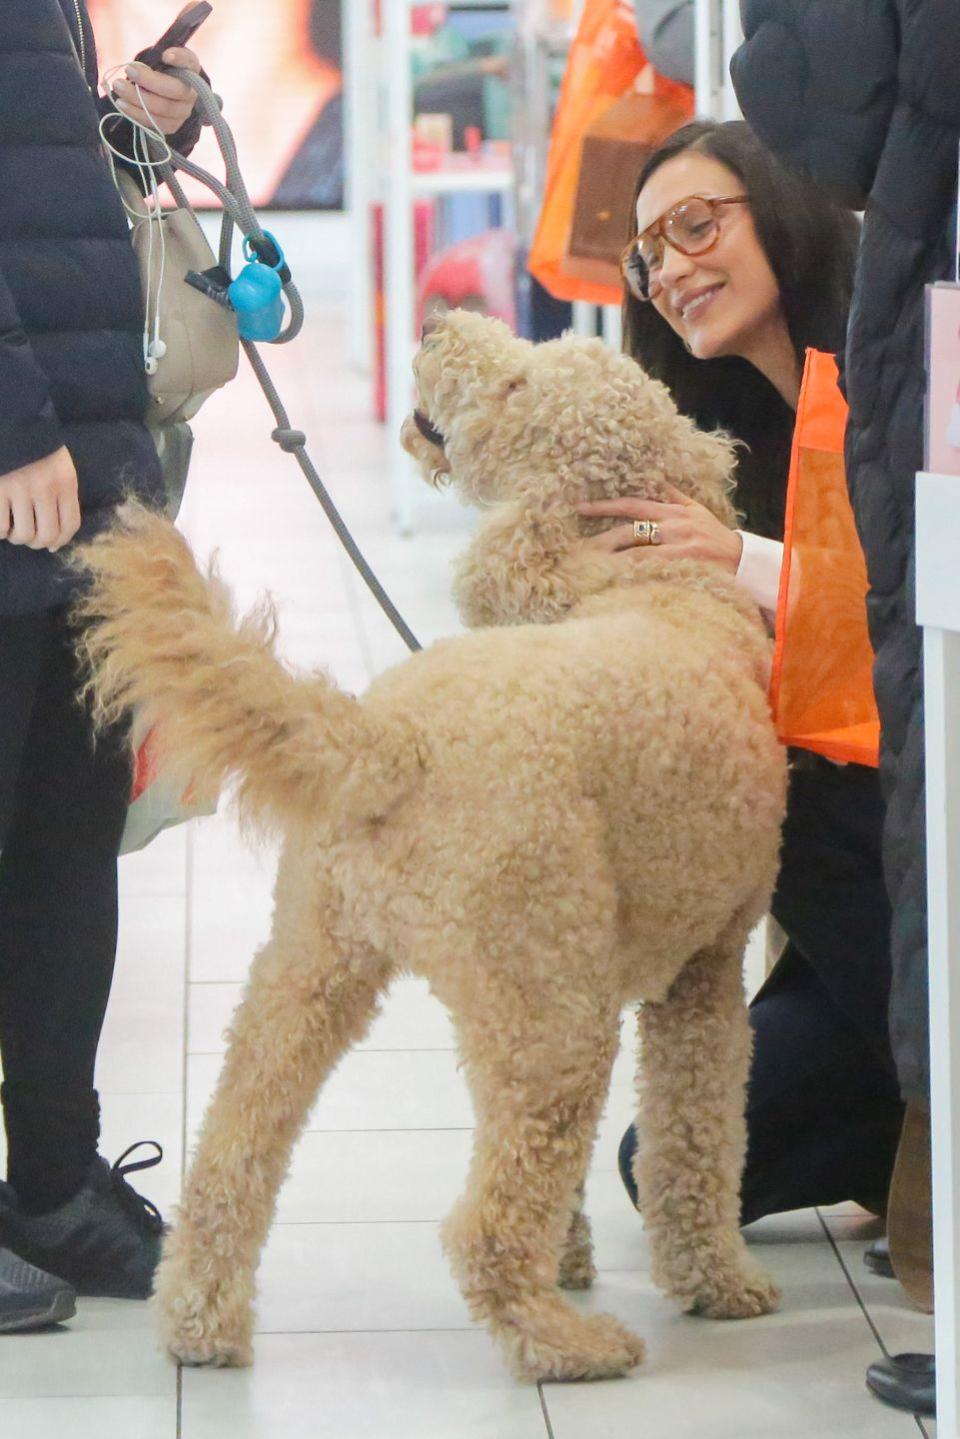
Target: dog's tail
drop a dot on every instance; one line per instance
(161, 636)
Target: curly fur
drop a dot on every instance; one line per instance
(571, 809)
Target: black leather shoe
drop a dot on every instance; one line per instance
(906, 1381)
(30, 1299)
(105, 1241)
(877, 1258)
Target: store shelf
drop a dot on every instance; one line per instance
(479, 179)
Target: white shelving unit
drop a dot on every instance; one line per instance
(403, 186)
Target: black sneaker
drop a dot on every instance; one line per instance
(105, 1241)
(30, 1299)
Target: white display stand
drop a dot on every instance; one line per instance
(938, 611)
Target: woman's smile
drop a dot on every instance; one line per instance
(690, 304)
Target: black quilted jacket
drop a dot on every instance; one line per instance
(863, 96)
(71, 316)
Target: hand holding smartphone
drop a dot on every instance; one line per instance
(179, 34)
(152, 97)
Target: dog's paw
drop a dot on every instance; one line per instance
(569, 1345)
(743, 1296)
(216, 1353)
(203, 1322)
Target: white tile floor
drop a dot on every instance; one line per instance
(361, 1333)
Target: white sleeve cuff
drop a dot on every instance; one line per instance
(761, 561)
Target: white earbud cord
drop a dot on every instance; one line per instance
(153, 348)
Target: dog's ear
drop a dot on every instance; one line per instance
(705, 468)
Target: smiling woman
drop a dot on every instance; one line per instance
(784, 263)
(736, 268)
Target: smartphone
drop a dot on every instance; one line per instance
(180, 33)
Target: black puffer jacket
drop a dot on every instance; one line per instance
(862, 95)
(71, 311)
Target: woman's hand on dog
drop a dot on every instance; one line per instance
(687, 531)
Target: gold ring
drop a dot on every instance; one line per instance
(646, 532)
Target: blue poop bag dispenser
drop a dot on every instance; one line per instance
(257, 292)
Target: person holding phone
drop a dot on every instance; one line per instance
(72, 444)
(737, 267)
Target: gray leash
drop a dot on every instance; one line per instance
(238, 212)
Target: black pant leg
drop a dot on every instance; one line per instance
(823, 1111)
(24, 641)
(831, 898)
(58, 931)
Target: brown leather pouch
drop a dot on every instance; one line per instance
(615, 149)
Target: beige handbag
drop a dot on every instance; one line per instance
(202, 345)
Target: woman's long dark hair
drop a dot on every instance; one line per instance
(811, 245)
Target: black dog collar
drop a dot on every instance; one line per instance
(429, 433)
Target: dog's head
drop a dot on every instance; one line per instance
(503, 419)
(467, 368)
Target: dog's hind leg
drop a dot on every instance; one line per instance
(694, 1059)
(538, 1060)
(307, 1001)
(577, 1269)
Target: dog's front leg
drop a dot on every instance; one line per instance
(302, 1010)
(694, 1055)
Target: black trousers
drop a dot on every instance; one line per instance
(63, 801)
(823, 1106)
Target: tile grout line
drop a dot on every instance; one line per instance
(853, 1288)
(184, 1057)
(281, 1333)
(219, 1053)
(544, 1410)
(863, 1308)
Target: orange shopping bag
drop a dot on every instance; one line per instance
(605, 65)
(821, 688)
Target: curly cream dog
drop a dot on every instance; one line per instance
(573, 808)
